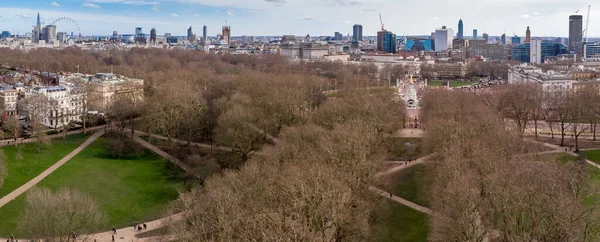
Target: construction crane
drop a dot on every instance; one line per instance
(381, 21)
(587, 24)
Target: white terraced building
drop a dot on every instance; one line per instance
(550, 80)
(61, 106)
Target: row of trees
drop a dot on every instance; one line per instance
(567, 111)
(311, 186)
(483, 188)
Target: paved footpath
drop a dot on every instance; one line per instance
(128, 234)
(22, 189)
(165, 155)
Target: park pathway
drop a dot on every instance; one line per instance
(165, 155)
(401, 201)
(22, 189)
(128, 234)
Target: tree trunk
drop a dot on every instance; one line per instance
(594, 130)
(562, 134)
(84, 117)
(551, 130)
(576, 138)
(536, 128)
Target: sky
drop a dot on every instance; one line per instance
(299, 17)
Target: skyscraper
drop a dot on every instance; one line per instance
(474, 33)
(516, 40)
(389, 42)
(226, 35)
(338, 36)
(357, 33)
(115, 34)
(443, 38)
(527, 35)
(138, 32)
(486, 37)
(190, 34)
(50, 33)
(204, 33)
(535, 51)
(459, 35)
(503, 39)
(575, 33)
(153, 36)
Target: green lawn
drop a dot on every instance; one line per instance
(395, 222)
(411, 185)
(438, 83)
(126, 189)
(402, 148)
(593, 155)
(32, 163)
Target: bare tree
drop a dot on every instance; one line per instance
(519, 103)
(67, 215)
(13, 127)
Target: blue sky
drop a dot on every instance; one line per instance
(299, 17)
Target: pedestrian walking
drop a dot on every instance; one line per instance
(145, 226)
(113, 238)
(390, 195)
(139, 227)
(114, 230)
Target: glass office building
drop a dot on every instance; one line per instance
(592, 50)
(521, 52)
(389, 42)
(419, 45)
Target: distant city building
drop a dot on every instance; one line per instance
(527, 35)
(138, 32)
(419, 44)
(245, 39)
(8, 99)
(389, 42)
(503, 39)
(38, 34)
(107, 87)
(153, 36)
(515, 40)
(35, 35)
(591, 50)
(190, 35)
(288, 39)
(461, 45)
(5, 34)
(128, 38)
(115, 34)
(62, 109)
(167, 35)
(171, 40)
(50, 34)
(549, 81)
(226, 35)
(575, 33)
(338, 36)
(443, 39)
(253, 39)
(459, 35)
(523, 52)
(307, 51)
(204, 36)
(494, 51)
(486, 37)
(61, 37)
(357, 33)
(535, 51)
(474, 33)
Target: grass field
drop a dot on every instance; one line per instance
(395, 222)
(439, 83)
(593, 155)
(126, 189)
(31, 163)
(411, 185)
(402, 148)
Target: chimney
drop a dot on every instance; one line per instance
(444, 27)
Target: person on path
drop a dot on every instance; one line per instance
(145, 226)
(139, 227)
(390, 195)
(113, 238)
(114, 230)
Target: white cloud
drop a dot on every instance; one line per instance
(174, 15)
(525, 16)
(536, 14)
(139, 3)
(309, 18)
(90, 5)
(230, 12)
(197, 15)
(55, 4)
(22, 15)
(346, 22)
(155, 8)
(436, 18)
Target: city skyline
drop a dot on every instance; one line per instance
(313, 17)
